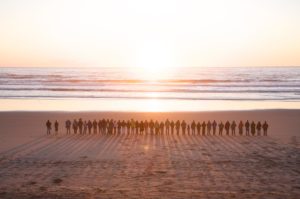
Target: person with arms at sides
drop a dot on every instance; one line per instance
(80, 125)
(198, 128)
(241, 126)
(90, 125)
(227, 126)
(48, 126)
(253, 128)
(203, 127)
(183, 126)
(214, 125)
(161, 127)
(221, 127)
(68, 126)
(193, 127)
(258, 128)
(167, 125)
(85, 127)
(172, 124)
(177, 126)
(208, 127)
(247, 126)
(56, 127)
(265, 128)
(233, 126)
(146, 126)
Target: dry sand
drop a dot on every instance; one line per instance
(33, 165)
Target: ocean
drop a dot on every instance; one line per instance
(178, 86)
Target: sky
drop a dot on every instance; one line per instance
(154, 33)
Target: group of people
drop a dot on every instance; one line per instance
(110, 126)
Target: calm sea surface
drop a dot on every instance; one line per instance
(185, 85)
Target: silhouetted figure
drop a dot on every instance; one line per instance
(48, 126)
(75, 126)
(167, 124)
(177, 126)
(233, 126)
(208, 127)
(156, 126)
(253, 128)
(100, 126)
(227, 126)
(214, 126)
(80, 125)
(258, 128)
(128, 126)
(132, 126)
(85, 125)
(119, 126)
(56, 127)
(265, 127)
(90, 126)
(203, 127)
(151, 125)
(137, 125)
(247, 126)
(198, 128)
(183, 126)
(172, 126)
(105, 124)
(95, 125)
(146, 125)
(241, 126)
(68, 126)
(188, 129)
(193, 127)
(221, 127)
(142, 127)
(161, 127)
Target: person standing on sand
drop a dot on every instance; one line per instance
(253, 128)
(198, 128)
(68, 126)
(227, 126)
(142, 127)
(80, 125)
(56, 127)
(221, 127)
(247, 126)
(241, 125)
(84, 127)
(146, 125)
(265, 128)
(203, 127)
(172, 126)
(151, 125)
(75, 126)
(214, 125)
(161, 127)
(193, 127)
(100, 126)
(128, 127)
(95, 125)
(156, 126)
(208, 127)
(48, 126)
(188, 129)
(258, 128)
(89, 125)
(167, 125)
(177, 126)
(233, 126)
(183, 126)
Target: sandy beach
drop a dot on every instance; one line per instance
(34, 165)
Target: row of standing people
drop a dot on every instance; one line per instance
(106, 126)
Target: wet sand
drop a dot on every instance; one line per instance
(33, 165)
